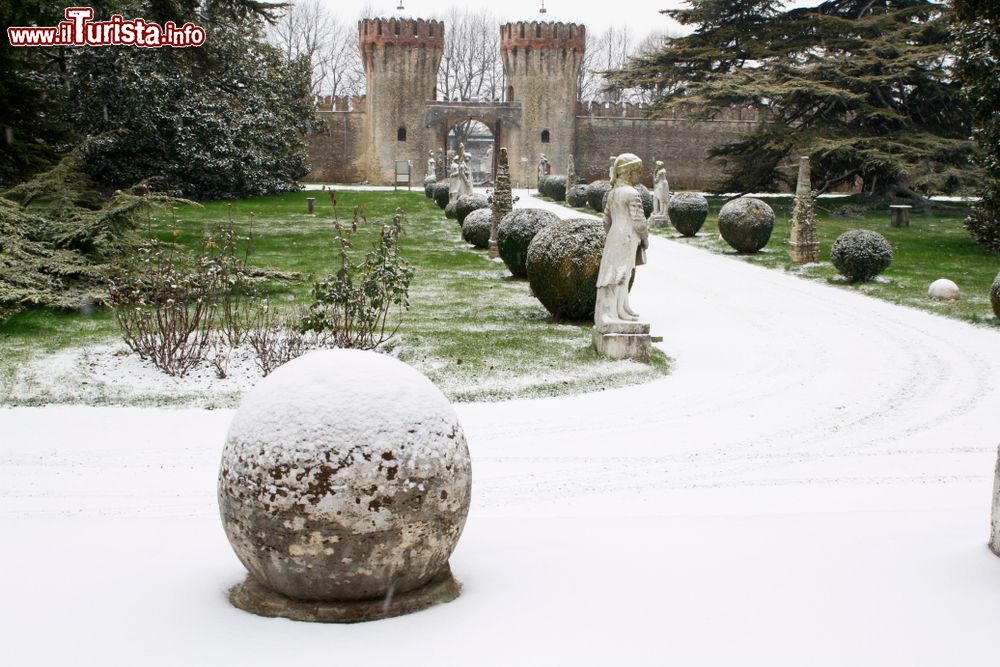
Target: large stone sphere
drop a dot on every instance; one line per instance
(995, 296)
(944, 289)
(476, 227)
(515, 232)
(563, 263)
(345, 475)
(860, 255)
(687, 212)
(466, 204)
(746, 224)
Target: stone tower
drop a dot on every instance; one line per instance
(541, 62)
(401, 59)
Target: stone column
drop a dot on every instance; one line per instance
(502, 200)
(803, 245)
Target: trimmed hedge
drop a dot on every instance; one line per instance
(687, 212)
(860, 255)
(476, 227)
(542, 183)
(466, 204)
(563, 261)
(746, 224)
(995, 296)
(514, 234)
(595, 194)
(451, 210)
(555, 188)
(429, 183)
(577, 196)
(440, 194)
(647, 199)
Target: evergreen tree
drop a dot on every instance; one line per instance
(863, 87)
(977, 32)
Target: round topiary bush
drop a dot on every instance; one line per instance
(687, 212)
(541, 184)
(440, 194)
(555, 187)
(515, 232)
(466, 204)
(595, 195)
(451, 210)
(429, 186)
(746, 224)
(647, 199)
(476, 227)
(995, 296)
(860, 255)
(563, 262)
(577, 196)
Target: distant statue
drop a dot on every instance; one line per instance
(661, 190)
(543, 167)
(454, 180)
(625, 246)
(431, 165)
(464, 171)
(570, 174)
(440, 166)
(611, 167)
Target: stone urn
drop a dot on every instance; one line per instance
(344, 487)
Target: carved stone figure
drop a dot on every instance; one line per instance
(543, 167)
(803, 243)
(464, 162)
(454, 180)
(502, 201)
(617, 332)
(570, 173)
(431, 165)
(661, 190)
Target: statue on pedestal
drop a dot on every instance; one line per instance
(543, 167)
(661, 190)
(464, 171)
(431, 166)
(454, 180)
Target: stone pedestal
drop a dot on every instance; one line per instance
(899, 215)
(623, 340)
(995, 523)
(493, 250)
(658, 221)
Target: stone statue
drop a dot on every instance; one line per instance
(617, 333)
(464, 172)
(431, 165)
(543, 167)
(661, 190)
(454, 178)
(440, 166)
(570, 173)
(502, 202)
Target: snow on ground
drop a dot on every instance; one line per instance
(811, 485)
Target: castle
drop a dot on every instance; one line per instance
(400, 118)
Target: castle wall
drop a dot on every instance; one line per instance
(339, 155)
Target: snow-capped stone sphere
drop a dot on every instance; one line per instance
(345, 475)
(942, 288)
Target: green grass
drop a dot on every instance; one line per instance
(472, 329)
(935, 245)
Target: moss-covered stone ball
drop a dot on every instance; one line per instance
(746, 224)
(466, 204)
(595, 194)
(476, 227)
(995, 296)
(563, 263)
(860, 254)
(440, 194)
(687, 212)
(514, 234)
(577, 196)
(429, 183)
(451, 210)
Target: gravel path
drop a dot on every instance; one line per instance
(811, 485)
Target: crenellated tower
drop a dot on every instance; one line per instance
(542, 64)
(401, 59)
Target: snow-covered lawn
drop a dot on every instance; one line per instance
(811, 485)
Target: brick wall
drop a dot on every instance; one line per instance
(338, 156)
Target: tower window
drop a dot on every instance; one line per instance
(538, 31)
(401, 134)
(380, 27)
(430, 28)
(545, 136)
(510, 93)
(522, 31)
(397, 28)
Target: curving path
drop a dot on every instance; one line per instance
(811, 485)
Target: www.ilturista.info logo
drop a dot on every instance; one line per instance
(79, 30)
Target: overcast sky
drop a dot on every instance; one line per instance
(642, 16)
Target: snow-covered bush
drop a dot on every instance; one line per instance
(746, 224)
(595, 195)
(476, 227)
(577, 196)
(687, 212)
(860, 255)
(451, 210)
(542, 184)
(995, 296)
(645, 196)
(562, 264)
(429, 183)
(440, 194)
(466, 204)
(514, 234)
(555, 188)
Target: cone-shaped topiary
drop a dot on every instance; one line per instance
(555, 187)
(515, 232)
(563, 262)
(476, 227)
(687, 212)
(440, 194)
(746, 224)
(451, 211)
(429, 186)
(995, 296)
(595, 195)
(466, 204)
(860, 255)
(577, 196)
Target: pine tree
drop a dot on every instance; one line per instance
(863, 87)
